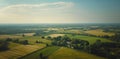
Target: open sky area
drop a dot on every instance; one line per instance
(59, 11)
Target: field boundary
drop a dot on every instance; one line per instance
(31, 53)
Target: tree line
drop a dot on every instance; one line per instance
(104, 49)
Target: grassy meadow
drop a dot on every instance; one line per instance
(46, 51)
(64, 41)
(19, 51)
(90, 39)
(99, 32)
(67, 53)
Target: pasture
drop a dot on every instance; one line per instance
(19, 51)
(46, 52)
(26, 34)
(67, 53)
(90, 39)
(10, 36)
(99, 32)
(56, 35)
(33, 39)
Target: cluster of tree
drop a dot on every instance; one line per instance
(37, 34)
(61, 41)
(43, 37)
(43, 32)
(71, 43)
(105, 36)
(38, 41)
(25, 42)
(106, 49)
(116, 37)
(4, 45)
(42, 56)
(80, 44)
(49, 37)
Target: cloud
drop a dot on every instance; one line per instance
(43, 6)
(45, 12)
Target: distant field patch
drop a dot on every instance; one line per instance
(99, 32)
(67, 53)
(90, 39)
(56, 35)
(19, 51)
(46, 52)
(33, 39)
(12, 45)
(26, 34)
(55, 29)
(9, 36)
(74, 31)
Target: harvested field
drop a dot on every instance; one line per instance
(19, 51)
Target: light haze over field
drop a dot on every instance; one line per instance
(59, 11)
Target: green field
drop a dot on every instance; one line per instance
(19, 51)
(32, 39)
(46, 52)
(99, 32)
(67, 53)
(90, 39)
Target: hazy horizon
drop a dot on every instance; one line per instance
(59, 11)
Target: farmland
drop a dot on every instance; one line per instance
(59, 29)
(56, 35)
(19, 51)
(32, 39)
(9, 36)
(59, 41)
(99, 32)
(66, 53)
(90, 39)
(47, 51)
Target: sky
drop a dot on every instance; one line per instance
(59, 11)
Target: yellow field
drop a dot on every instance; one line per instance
(74, 31)
(19, 51)
(56, 35)
(55, 29)
(26, 34)
(99, 32)
(67, 53)
(12, 45)
(9, 36)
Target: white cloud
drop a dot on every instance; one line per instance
(45, 12)
(43, 6)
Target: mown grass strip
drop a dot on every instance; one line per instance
(45, 51)
(67, 53)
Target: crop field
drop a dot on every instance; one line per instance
(26, 34)
(12, 45)
(56, 35)
(59, 41)
(67, 53)
(72, 31)
(99, 32)
(46, 52)
(9, 36)
(90, 39)
(19, 50)
(59, 29)
(33, 39)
